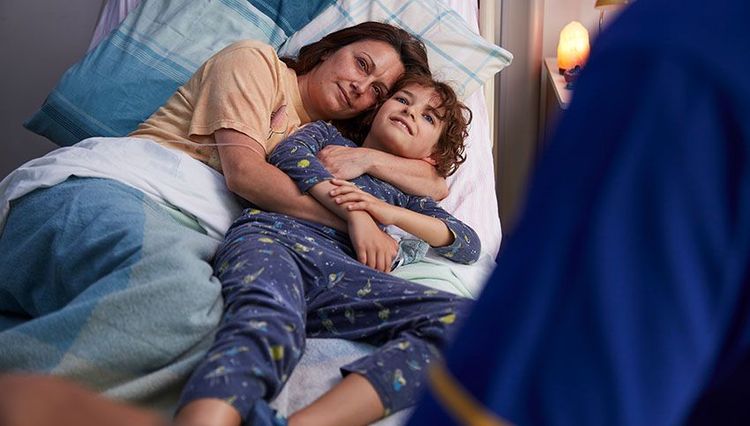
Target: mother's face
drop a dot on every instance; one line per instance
(350, 80)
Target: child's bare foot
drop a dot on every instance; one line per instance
(208, 412)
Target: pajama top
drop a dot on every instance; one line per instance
(296, 156)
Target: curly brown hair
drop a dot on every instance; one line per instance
(455, 115)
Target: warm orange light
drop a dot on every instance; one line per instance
(573, 48)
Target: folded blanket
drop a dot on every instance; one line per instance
(162, 174)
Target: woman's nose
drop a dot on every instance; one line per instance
(361, 86)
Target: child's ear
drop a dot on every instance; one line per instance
(430, 160)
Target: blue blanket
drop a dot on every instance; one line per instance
(85, 306)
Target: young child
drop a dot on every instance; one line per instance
(284, 278)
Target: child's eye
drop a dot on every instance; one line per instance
(401, 100)
(429, 118)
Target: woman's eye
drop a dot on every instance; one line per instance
(362, 64)
(378, 91)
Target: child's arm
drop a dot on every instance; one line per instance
(410, 176)
(374, 247)
(423, 218)
(296, 157)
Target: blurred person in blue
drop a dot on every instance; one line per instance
(623, 297)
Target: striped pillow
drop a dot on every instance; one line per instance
(457, 54)
(137, 68)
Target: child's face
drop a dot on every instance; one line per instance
(407, 125)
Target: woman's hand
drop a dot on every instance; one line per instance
(374, 247)
(345, 162)
(354, 199)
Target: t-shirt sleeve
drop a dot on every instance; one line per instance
(238, 91)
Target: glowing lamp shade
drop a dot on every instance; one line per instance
(573, 48)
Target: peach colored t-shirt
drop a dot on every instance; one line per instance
(244, 87)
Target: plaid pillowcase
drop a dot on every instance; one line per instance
(457, 54)
(140, 64)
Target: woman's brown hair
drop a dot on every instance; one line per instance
(410, 49)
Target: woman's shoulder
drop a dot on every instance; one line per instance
(248, 48)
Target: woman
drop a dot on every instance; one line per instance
(51, 281)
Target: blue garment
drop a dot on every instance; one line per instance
(284, 278)
(623, 298)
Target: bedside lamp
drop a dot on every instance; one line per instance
(604, 5)
(573, 48)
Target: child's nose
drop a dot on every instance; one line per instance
(409, 111)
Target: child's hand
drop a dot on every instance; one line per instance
(374, 247)
(353, 199)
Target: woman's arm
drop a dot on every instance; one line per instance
(416, 177)
(249, 175)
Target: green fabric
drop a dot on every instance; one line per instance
(435, 275)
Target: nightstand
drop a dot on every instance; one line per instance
(557, 83)
(556, 99)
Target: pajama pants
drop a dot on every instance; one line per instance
(284, 279)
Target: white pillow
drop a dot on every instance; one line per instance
(472, 195)
(457, 54)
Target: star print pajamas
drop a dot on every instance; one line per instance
(284, 279)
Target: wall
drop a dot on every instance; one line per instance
(39, 40)
(530, 30)
(517, 103)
